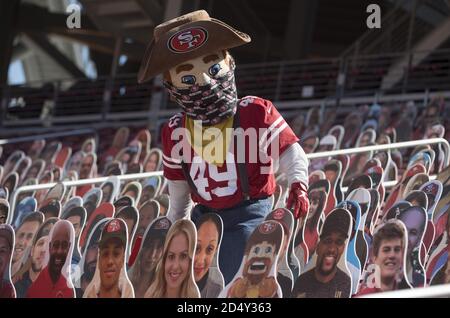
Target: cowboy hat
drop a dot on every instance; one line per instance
(184, 38)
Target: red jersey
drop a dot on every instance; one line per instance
(43, 287)
(219, 187)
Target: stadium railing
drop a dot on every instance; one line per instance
(127, 177)
(439, 291)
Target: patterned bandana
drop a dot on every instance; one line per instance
(211, 103)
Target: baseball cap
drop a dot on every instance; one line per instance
(339, 220)
(115, 228)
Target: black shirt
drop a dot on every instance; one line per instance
(307, 286)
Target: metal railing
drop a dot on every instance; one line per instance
(76, 183)
(325, 154)
(82, 101)
(397, 145)
(424, 292)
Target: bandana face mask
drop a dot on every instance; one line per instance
(211, 103)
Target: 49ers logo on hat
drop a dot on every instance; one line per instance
(113, 226)
(187, 40)
(267, 227)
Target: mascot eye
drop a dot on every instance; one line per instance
(256, 250)
(268, 249)
(188, 79)
(215, 69)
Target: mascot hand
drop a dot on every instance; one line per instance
(298, 201)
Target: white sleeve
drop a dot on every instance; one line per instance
(179, 200)
(294, 164)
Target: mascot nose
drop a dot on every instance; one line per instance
(204, 79)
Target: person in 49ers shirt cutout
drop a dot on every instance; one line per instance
(221, 151)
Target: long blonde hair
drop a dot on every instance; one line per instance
(189, 289)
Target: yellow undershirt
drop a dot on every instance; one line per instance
(211, 143)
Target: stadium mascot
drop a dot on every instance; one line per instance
(221, 151)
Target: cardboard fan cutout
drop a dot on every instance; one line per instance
(55, 193)
(257, 276)
(34, 259)
(327, 143)
(362, 197)
(89, 145)
(4, 211)
(132, 189)
(7, 289)
(415, 183)
(74, 162)
(88, 263)
(119, 141)
(88, 170)
(396, 209)
(356, 166)
(35, 170)
(104, 210)
(439, 216)
(145, 138)
(207, 274)
(47, 177)
(353, 263)
(148, 212)
(308, 230)
(110, 189)
(362, 181)
(433, 190)
(316, 176)
(110, 278)
(352, 126)
(345, 161)
(25, 207)
(22, 167)
(415, 220)
(134, 167)
(153, 160)
(372, 214)
(385, 270)
(418, 198)
(71, 203)
(285, 277)
(150, 188)
(338, 132)
(130, 216)
(397, 191)
(4, 194)
(327, 275)
(142, 272)
(91, 200)
(332, 171)
(376, 175)
(123, 202)
(77, 217)
(50, 151)
(420, 158)
(25, 194)
(310, 143)
(24, 234)
(365, 138)
(11, 181)
(180, 240)
(52, 209)
(128, 155)
(12, 160)
(36, 148)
